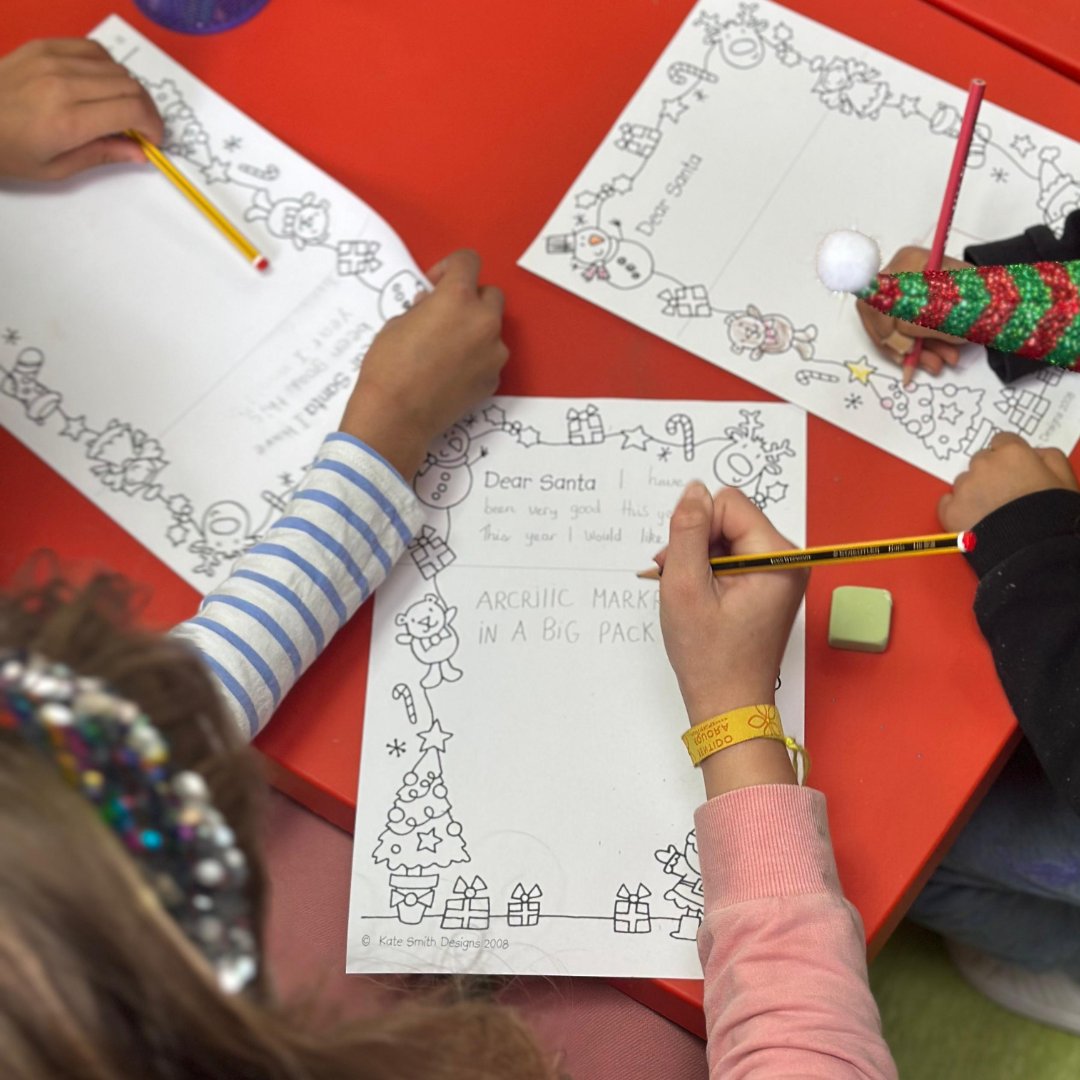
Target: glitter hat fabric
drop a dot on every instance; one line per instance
(1030, 310)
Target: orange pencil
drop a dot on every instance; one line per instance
(937, 544)
(201, 202)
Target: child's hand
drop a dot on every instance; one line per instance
(724, 636)
(429, 366)
(1006, 470)
(894, 338)
(63, 105)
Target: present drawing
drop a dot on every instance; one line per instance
(358, 257)
(632, 914)
(523, 907)
(430, 552)
(584, 426)
(469, 908)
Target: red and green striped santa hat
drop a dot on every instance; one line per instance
(1031, 310)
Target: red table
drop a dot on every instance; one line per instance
(1047, 31)
(464, 123)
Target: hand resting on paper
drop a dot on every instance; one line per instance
(725, 636)
(428, 367)
(893, 338)
(63, 105)
(1008, 469)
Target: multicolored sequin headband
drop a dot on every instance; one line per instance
(1028, 309)
(111, 753)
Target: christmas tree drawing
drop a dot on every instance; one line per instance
(421, 834)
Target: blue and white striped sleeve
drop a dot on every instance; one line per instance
(344, 528)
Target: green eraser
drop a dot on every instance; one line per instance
(859, 618)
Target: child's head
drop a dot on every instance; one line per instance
(97, 979)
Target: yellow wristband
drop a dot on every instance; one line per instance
(738, 725)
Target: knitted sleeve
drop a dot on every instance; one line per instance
(783, 953)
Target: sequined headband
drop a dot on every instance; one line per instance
(109, 751)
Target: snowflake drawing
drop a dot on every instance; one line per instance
(395, 748)
(999, 175)
(11, 337)
(233, 143)
(852, 401)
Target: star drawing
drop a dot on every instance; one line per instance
(435, 738)
(395, 748)
(908, 105)
(672, 110)
(74, 427)
(427, 841)
(1023, 145)
(949, 413)
(859, 370)
(637, 439)
(217, 172)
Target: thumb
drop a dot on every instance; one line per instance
(686, 560)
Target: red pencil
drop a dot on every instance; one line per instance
(948, 205)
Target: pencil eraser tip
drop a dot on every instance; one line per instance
(262, 263)
(966, 540)
(860, 618)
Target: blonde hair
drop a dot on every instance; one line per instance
(97, 982)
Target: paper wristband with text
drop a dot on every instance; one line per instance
(739, 725)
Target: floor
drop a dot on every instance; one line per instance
(938, 1027)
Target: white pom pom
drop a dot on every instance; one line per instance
(847, 261)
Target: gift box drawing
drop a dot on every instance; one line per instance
(523, 907)
(632, 914)
(430, 553)
(584, 426)
(469, 908)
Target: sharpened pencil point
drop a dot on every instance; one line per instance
(652, 574)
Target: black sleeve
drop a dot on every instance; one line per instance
(1037, 244)
(1027, 556)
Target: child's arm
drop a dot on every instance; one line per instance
(1024, 507)
(354, 514)
(894, 338)
(783, 954)
(63, 105)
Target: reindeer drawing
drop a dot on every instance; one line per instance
(747, 461)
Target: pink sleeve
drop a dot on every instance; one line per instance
(784, 954)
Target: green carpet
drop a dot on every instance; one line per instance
(938, 1027)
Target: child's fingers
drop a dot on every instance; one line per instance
(742, 526)
(459, 267)
(686, 558)
(111, 150)
(491, 296)
(96, 119)
(1059, 465)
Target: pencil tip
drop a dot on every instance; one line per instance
(652, 574)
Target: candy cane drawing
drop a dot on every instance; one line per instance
(269, 173)
(402, 691)
(804, 377)
(682, 422)
(681, 73)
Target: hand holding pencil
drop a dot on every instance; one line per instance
(724, 636)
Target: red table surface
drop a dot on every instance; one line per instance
(1048, 31)
(463, 124)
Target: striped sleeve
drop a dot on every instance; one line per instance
(341, 533)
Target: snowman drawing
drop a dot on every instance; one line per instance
(445, 479)
(602, 256)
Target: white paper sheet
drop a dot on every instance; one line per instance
(144, 360)
(524, 800)
(759, 131)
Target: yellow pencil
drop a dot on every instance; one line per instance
(938, 544)
(181, 182)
